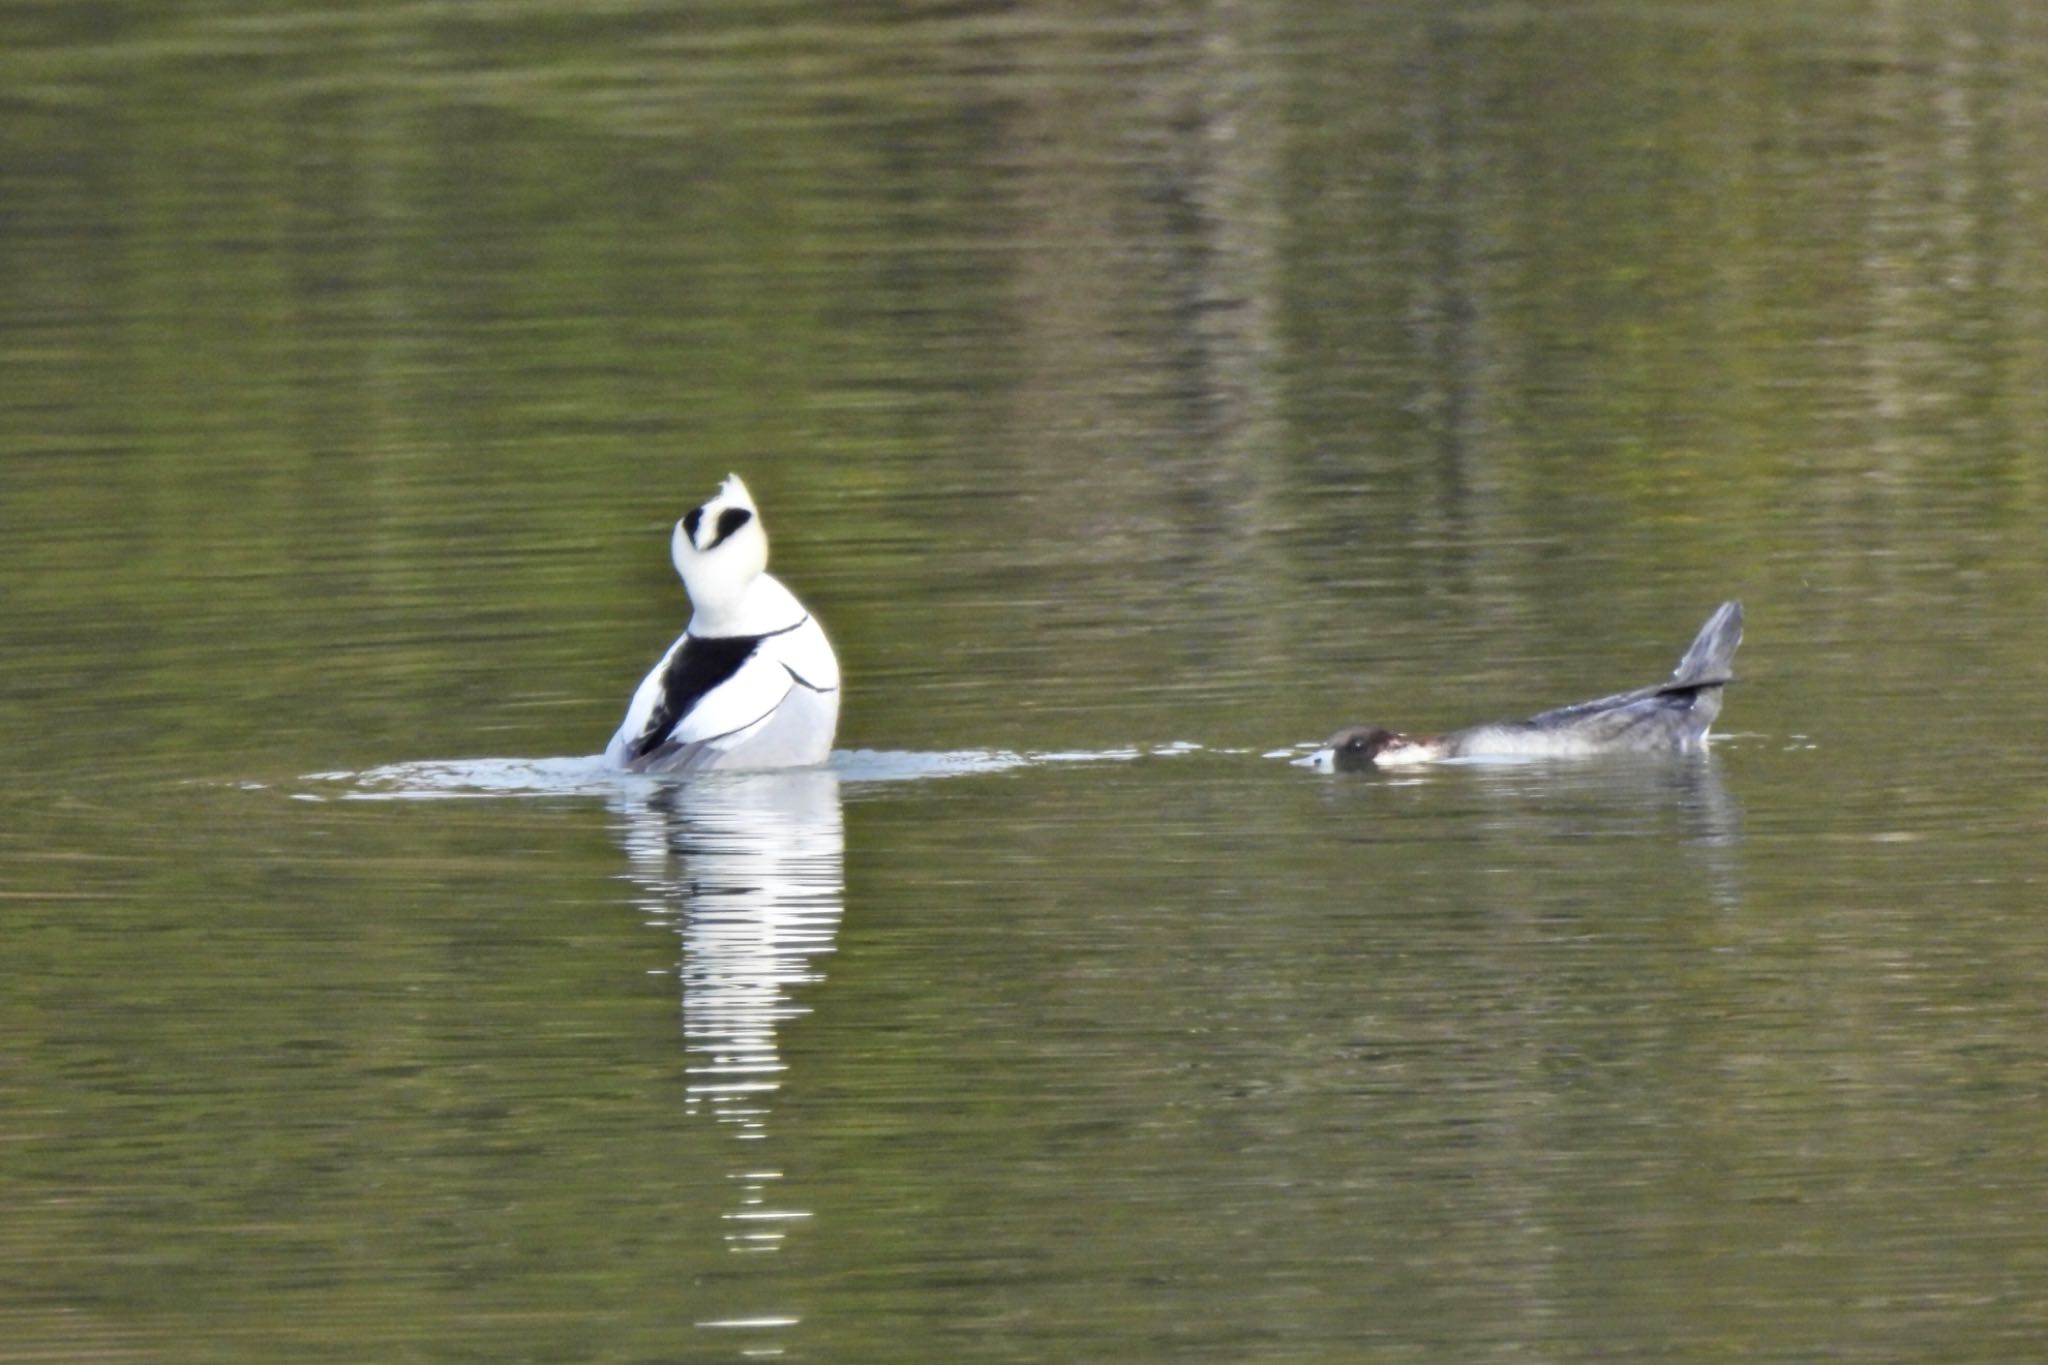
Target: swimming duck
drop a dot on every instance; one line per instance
(752, 682)
(1672, 715)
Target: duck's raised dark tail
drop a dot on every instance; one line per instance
(1711, 660)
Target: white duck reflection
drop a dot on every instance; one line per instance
(749, 867)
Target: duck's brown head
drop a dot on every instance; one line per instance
(1360, 748)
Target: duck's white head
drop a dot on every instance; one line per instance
(720, 548)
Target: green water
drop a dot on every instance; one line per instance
(1137, 393)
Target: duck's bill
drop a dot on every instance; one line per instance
(1323, 760)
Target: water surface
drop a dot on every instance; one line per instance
(1137, 395)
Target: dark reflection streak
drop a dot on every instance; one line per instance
(749, 870)
(1650, 796)
(1445, 315)
(1712, 822)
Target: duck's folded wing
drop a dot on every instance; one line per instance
(701, 690)
(1671, 713)
(745, 699)
(1662, 696)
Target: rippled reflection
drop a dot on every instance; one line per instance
(1684, 792)
(749, 868)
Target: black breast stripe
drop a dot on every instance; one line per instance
(698, 666)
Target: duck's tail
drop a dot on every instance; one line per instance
(1711, 660)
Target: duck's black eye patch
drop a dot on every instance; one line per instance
(691, 520)
(730, 520)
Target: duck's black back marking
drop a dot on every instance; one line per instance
(697, 666)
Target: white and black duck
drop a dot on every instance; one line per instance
(752, 682)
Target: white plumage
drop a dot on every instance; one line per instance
(752, 682)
